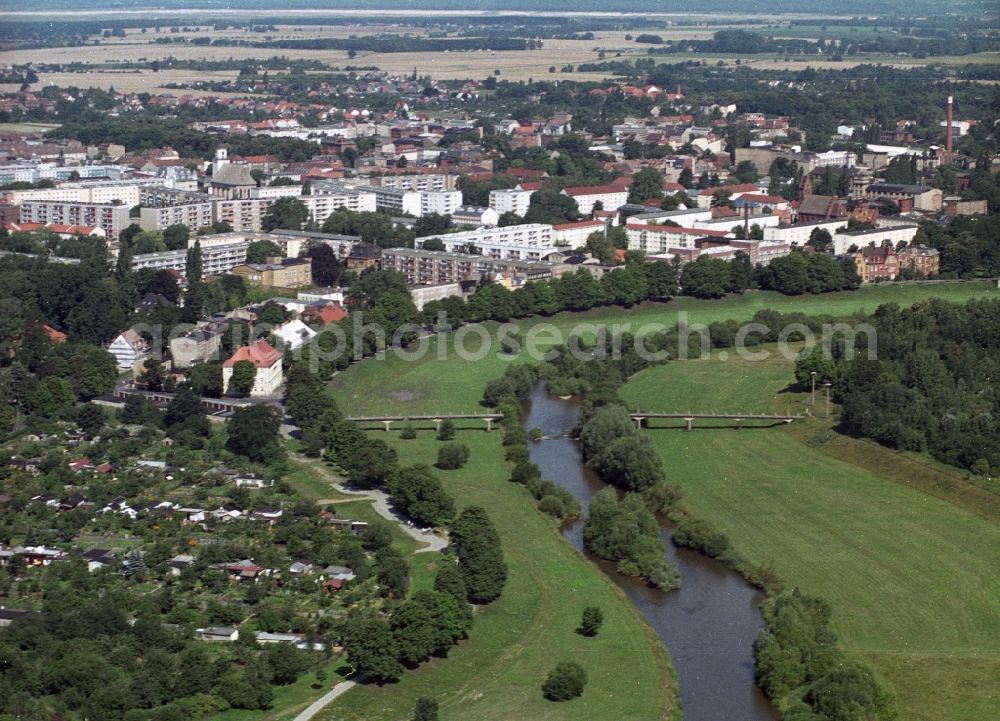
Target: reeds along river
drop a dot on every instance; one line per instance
(708, 626)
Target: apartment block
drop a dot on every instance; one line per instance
(656, 239)
(510, 201)
(215, 260)
(110, 217)
(431, 267)
(529, 241)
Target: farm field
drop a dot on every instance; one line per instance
(911, 578)
(396, 386)
(512, 644)
(515, 65)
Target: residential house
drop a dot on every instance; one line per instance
(129, 348)
(474, 215)
(877, 263)
(266, 360)
(921, 259)
(217, 634)
(249, 480)
(245, 570)
(98, 558)
(295, 334)
(277, 272)
(199, 345)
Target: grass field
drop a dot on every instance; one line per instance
(912, 579)
(497, 674)
(397, 386)
(19, 128)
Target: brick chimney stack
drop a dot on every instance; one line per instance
(947, 139)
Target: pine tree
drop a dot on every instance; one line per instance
(134, 563)
(193, 264)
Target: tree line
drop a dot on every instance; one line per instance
(932, 386)
(379, 644)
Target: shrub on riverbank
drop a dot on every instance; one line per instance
(797, 661)
(627, 532)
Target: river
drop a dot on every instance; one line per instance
(708, 625)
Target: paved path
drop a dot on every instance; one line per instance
(319, 704)
(380, 501)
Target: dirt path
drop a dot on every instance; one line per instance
(380, 501)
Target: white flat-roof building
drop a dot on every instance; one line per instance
(845, 239)
(528, 241)
(800, 232)
(510, 201)
(658, 239)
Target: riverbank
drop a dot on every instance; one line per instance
(516, 640)
(909, 576)
(709, 624)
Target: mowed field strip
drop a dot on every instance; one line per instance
(913, 580)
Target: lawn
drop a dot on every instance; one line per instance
(398, 386)
(912, 579)
(516, 640)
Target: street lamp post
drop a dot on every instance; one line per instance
(812, 376)
(827, 399)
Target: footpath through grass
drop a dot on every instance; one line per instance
(497, 674)
(913, 580)
(442, 382)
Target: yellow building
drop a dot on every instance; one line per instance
(277, 273)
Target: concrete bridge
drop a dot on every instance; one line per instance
(437, 419)
(640, 417)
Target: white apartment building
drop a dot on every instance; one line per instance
(611, 197)
(328, 197)
(215, 260)
(109, 217)
(127, 192)
(416, 181)
(193, 213)
(575, 235)
(510, 201)
(529, 241)
(442, 202)
(276, 191)
(242, 214)
(657, 239)
(844, 239)
(800, 232)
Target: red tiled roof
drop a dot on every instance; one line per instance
(262, 354)
(734, 189)
(579, 224)
(758, 198)
(54, 335)
(332, 314)
(677, 229)
(594, 190)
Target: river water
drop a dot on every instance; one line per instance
(708, 625)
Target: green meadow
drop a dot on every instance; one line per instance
(497, 673)
(909, 565)
(442, 382)
(913, 579)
